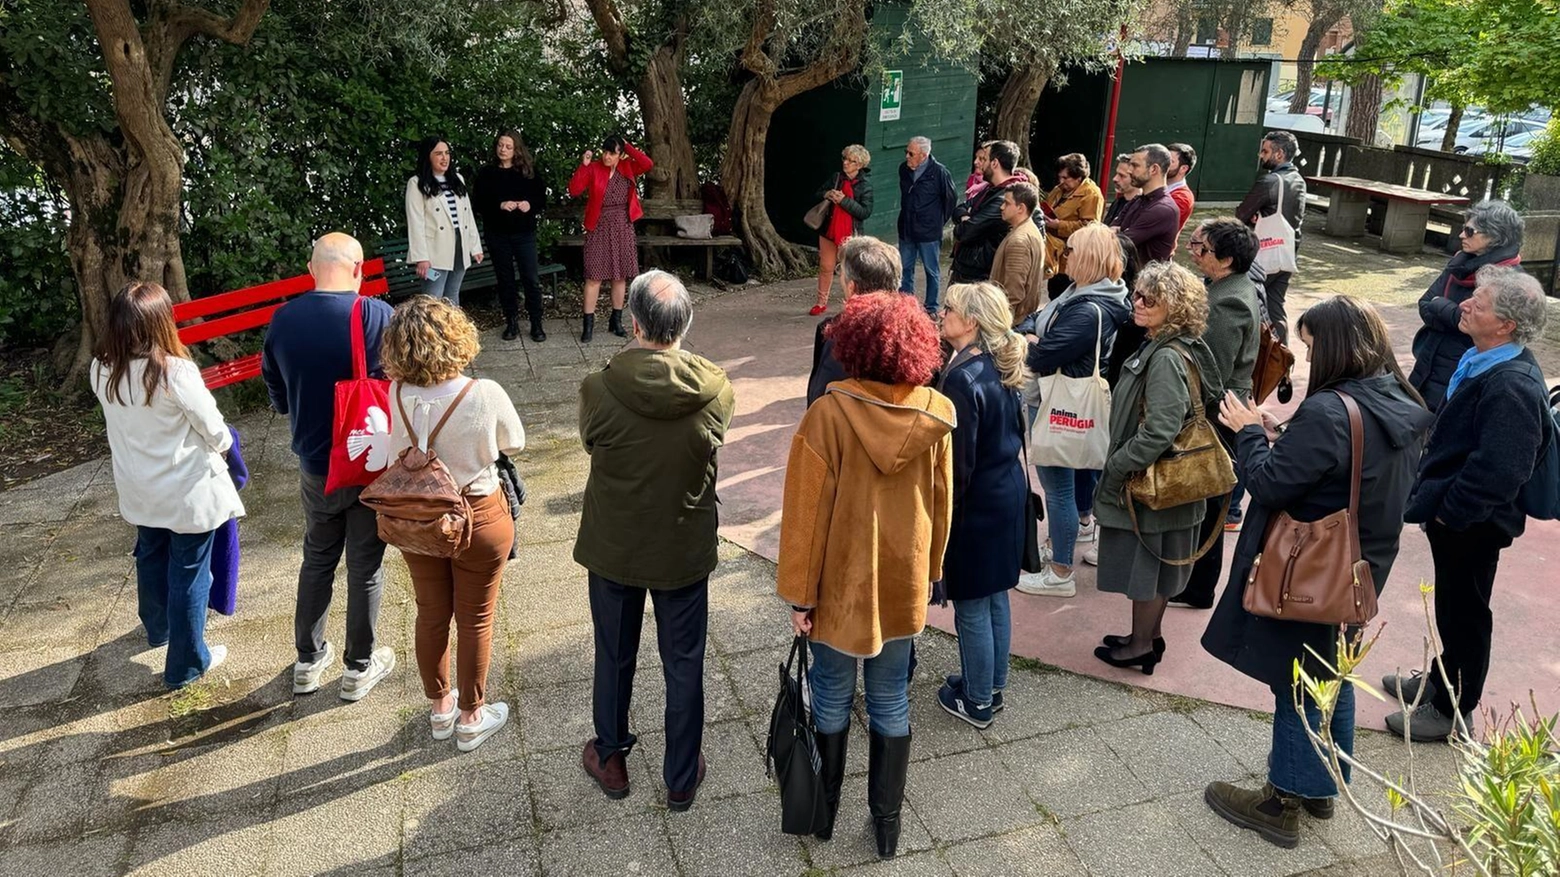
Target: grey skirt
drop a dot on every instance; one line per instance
(1128, 567)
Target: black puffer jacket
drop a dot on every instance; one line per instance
(1439, 344)
(976, 238)
(1307, 473)
(859, 205)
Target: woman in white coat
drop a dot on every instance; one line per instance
(441, 229)
(169, 445)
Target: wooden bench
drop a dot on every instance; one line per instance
(404, 282)
(1408, 210)
(660, 228)
(251, 308)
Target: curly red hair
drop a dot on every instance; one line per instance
(885, 337)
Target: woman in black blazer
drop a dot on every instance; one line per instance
(986, 541)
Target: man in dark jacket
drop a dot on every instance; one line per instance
(978, 226)
(866, 265)
(1152, 220)
(307, 349)
(1278, 179)
(652, 422)
(926, 203)
(1483, 448)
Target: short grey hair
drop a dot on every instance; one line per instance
(660, 304)
(1499, 222)
(873, 265)
(922, 144)
(1516, 296)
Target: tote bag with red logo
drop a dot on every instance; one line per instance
(360, 439)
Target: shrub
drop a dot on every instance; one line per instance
(1546, 151)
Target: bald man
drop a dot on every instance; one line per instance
(308, 348)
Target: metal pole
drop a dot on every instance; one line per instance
(1108, 159)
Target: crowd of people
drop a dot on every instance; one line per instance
(907, 481)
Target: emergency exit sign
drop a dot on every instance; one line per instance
(893, 95)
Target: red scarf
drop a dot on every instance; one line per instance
(841, 224)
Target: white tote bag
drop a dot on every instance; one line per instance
(1276, 238)
(1072, 429)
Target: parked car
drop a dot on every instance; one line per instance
(1518, 145)
(1279, 103)
(1490, 136)
(1294, 121)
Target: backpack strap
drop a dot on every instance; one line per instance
(448, 411)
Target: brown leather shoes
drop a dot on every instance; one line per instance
(677, 802)
(611, 775)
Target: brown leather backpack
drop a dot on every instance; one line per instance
(420, 506)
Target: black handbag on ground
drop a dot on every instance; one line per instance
(792, 753)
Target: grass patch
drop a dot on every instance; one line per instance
(193, 698)
(1032, 665)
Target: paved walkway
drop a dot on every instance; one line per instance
(101, 772)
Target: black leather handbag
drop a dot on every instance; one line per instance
(792, 753)
(1034, 510)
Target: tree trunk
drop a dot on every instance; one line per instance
(665, 111)
(1185, 30)
(1453, 122)
(1364, 110)
(1016, 107)
(1305, 62)
(742, 173)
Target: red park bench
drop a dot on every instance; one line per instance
(245, 309)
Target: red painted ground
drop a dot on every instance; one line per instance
(764, 340)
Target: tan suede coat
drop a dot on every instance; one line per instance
(868, 503)
(1020, 269)
(1083, 206)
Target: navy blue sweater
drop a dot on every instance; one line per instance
(1483, 448)
(307, 350)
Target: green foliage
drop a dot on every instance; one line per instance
(37, 291)
(1511, 797)
(1546, 152)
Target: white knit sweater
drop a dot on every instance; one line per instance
(484, 424)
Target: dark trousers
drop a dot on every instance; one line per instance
(681, 625)
(1274, 288)
(1465, 562)
(1208, 569)
(507, 250)
(333, 523)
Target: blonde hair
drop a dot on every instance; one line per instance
(1183, 294)
(857, 153)
(986, 305)
(428, 341)
(1094, 254)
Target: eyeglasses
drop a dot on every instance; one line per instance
(1469, 231)
(1197, 247)
(1149, 301)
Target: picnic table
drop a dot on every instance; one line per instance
(1408, 210)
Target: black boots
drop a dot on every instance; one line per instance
(511, 328)
(615, 324)
(888, 760)
(589, 328)
(831, 754)
(537, 332)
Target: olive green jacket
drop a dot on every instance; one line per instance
(1140, 433)
(1234, 331)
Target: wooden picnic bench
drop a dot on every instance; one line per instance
(251, 308)
(404, 282)
(660, 228)
(1408, 210)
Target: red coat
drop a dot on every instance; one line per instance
(594, 177)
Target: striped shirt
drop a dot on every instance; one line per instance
(450, 203)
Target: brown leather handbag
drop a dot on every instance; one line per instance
(1274, 360)
(1313, 571)
(419, 505)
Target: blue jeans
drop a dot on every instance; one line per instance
(887, 682)
(173, 583)
(985, 629)
(1084, 482)
(1061, 511)
(928, 253)
(447, 284)
(1293, 766)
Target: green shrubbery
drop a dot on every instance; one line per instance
(1546, 151)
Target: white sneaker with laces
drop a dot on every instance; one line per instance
(1091, 556)
(356, 684)
(493, 718)
(1088, 532)
(1047, 583)
(444, 723)
(218, 655)
(306, 677)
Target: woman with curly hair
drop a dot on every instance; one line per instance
(468, 423)
(849, 192)
(1148, 408)
(865, 518)
(986, 541)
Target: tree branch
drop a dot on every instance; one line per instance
(173, 23)
(613, 32)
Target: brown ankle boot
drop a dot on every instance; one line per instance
(1266, 811)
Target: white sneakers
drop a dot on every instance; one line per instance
(493, 717)
(444, 723)
(355, 684)
(1088, 532)
(1091, 555)
(306, 677)
(218, 655)
(1047, 583)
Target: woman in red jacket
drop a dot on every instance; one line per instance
(611, 207)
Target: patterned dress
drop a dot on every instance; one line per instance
(611, 252)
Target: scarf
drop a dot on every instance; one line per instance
(841, 224)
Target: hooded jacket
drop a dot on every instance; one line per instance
(1307, 473)
(1439, 344)
(1147, 409)
(652, 422)
(1067, 335)
(867, 508)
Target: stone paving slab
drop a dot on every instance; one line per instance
(102, 772)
